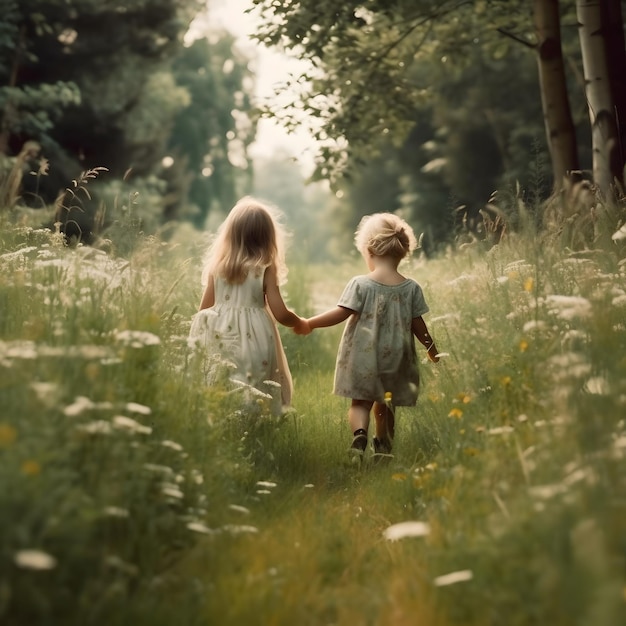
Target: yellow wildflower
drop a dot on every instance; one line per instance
(523, 345)
(8, 435)
(529, 284)
(30, 468)
(399, 476)
(456, 413)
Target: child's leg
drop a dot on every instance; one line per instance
(385, 428)
(359, 418)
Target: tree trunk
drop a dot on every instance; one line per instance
(604, 137)
(613, 20)
(560, 132)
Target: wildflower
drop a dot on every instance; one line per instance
(235, 529)
(30, 468)
(619, 234)
(406, 529)
(239, 509)
(45, 392)
(528, 285)
(598, 385)
(115, 511)
(166, 443)
(97, 427)
(399, 476)
(453, 578)
(506, 381)
(130, 425)
(80, 404)
(8, 435)
(455, 412)
(568, 307)
(523, 345)
(137, 338)
(172, 491)
(463, 397)
(500, 430)
(134, 407)
(199, 527)
(35, 560)
(265, 483)
(534, 325)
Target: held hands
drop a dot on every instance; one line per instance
(302, 327)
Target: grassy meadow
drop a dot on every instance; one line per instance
(132, 494)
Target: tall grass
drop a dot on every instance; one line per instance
(130, 493)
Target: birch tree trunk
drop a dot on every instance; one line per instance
(604, 137)
(557, 115)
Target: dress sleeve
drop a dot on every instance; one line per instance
(419, 306)
(352, 296)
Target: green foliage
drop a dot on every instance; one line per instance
(99, 85)
(437, 102)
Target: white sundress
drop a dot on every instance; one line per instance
(240, 333)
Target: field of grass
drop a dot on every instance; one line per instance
(132, 494)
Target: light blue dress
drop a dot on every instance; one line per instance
(377, 350)
(239, 333)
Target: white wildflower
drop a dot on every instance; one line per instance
(235, 529)
(137, 338)
(500, 430)
(80, 404)
(619, 234)
(159, 469)
(598, 385)
(34, 559)
(134, 407)
(406, 529)
(619, 301)
(130, 425)
(97, 427)
(546, 492)
(453, 578)
(172, 445)
(172, 491)
(239, 509)
(199, 527)
(568, 307)
(265, 483)
(115, 511)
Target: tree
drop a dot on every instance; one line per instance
(560, 130)
(364, 57)
(608, 159)
(211, 135)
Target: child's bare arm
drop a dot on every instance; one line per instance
(330, 318)
(276, 303)
(208, 297)
(418, 326)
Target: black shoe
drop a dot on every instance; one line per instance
(359, 443)
(382, 449)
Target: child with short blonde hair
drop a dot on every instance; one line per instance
(377, 363)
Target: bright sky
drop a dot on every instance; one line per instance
(270, 68)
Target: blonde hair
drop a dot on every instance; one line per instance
(249, 239)
(385, 234)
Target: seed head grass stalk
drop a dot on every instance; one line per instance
(133, 493)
